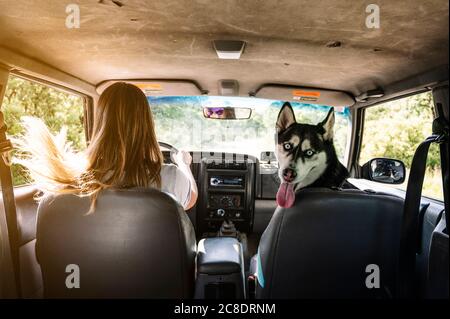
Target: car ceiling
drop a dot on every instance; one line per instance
(291, 41)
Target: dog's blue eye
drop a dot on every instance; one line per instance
(287, 146)
(309, 153)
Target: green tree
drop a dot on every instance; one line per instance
(54, 107)
(395, 129)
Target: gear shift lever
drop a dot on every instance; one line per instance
(227, 229)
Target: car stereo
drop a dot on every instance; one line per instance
(227, 181)
(226, 192)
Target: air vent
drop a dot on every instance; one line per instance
(225, 165)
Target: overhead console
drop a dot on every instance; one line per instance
(227, 192)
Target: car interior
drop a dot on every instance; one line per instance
(228, 65)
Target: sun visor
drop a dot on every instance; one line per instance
(304, 95)
(161, 87)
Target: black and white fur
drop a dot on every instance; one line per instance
(305, 153)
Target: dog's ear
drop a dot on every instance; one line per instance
(328, 125)
(286, 117)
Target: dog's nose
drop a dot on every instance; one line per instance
(289, 174)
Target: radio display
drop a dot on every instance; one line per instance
(226, 181)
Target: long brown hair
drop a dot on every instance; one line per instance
(123, 151)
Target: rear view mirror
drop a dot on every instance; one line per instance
(227, 113)
(384, 170)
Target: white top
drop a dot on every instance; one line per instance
(176, 183)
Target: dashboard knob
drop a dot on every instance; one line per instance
(220, 212)
(226, 201)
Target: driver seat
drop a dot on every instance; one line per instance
(138, 243)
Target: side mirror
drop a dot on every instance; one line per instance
(384, 170)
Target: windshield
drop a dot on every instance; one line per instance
(180, 122)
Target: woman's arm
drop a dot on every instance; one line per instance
(183, 160)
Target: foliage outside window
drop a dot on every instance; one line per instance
(54, 107)
(395, 129)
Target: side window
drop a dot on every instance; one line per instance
(56, 108)
(395, 129)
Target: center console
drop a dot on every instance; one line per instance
(226, 194)
(220, 269)
(224, 216)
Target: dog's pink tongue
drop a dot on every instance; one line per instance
(286, 195)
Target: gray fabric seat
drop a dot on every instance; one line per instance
(320, 247)
(137, 244)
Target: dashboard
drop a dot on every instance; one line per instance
(226, 191)
(228, 185)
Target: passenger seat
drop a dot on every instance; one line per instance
(325, 246)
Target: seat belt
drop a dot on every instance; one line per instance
(9, 203)
(409, 246)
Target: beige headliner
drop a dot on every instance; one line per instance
(286, 40)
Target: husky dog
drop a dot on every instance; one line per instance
(306, 155)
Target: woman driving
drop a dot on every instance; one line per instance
(123, 152)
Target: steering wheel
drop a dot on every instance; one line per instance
(172, 149)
